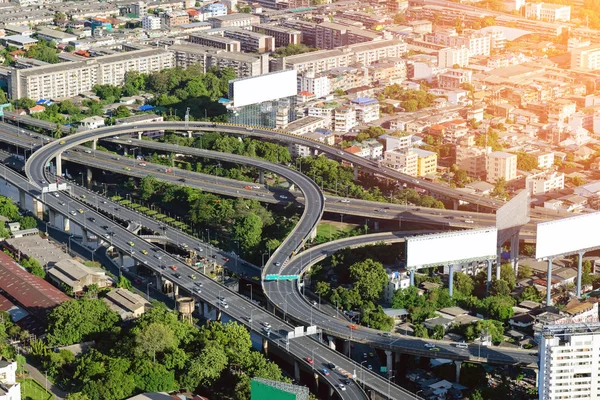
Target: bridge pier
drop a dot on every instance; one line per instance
(451, 279)
(94, 144)
(265, 347)
(331, 392)
(120, 259)
(159, 283)
(175, 291)
(316, 376)
(22, 199)
(412, 277)
(549, 283)
(296, 370)
(139, 135)
(189, 134)
(389, 362)
(58, 161)
(331, 342)
(514, 252)
(200, 307)
(346, 347)
(455, 204)
(84, 235)
(218, 313)
(66, 224)
(489, 277)
(579, 266)
(458, 365)
(51, 217)
(38, 208)
(261, 176)
(375, 225)
(356, 172)
(88, 177)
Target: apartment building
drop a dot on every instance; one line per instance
(324, 110)
(213, 10)
(367, 109)
(501, 164)
(545, 182)
(283, 36)
(71, 78)
(478, 44)
(471, 158)
(545, 159)
(10, 389)
(401, 160)
(250, 41)
(387, 72)
(234, 20)
(150, 23)
(397, 140)
(363, 53)
(450, 56)
(586, 57)
(426, 162)
(175, 18)
(344, 119)
(330, 35)
(244, 65)
(568, 361)
(548, 12)
(308, 30)
(454, 78)
(216, 41)
(316, 84)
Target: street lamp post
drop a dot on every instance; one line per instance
(363, 372)
(418, 391)
(390, 385)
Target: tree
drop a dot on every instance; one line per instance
(508, 275)
(532, 294)
(77, 396)
(154, 338)
(420, 331)
(369, 278)
(121, 112)
(407, 298)
(463, 283)
(28, 222)
(499, 287)
(500, 188)
(272, 244)
(3, 98)
(525, 271)
(499, 308)
(124, 283)
(438, 332)
(322, 288)
(74, 320)
(526, 161)
(248, 230)
(410, 105)
(153, 377)
(206, 368)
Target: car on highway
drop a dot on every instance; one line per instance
(283, 197)
(198, 290)
(248, 187)
(462, 345)
(131, 244)
(330, 365)
(386, 334)
(370, 367)
(429, 345)
(144, 252)
(127, 169)
(92, 219)
(309, 360)
(256, 187)
(325, 372)
(223, 304)
(56, 194)
(43, 182)
(80, 211)
(347, 381)
(434, 349)
(142, 164)
(177, 275)
(249, 129)
(182, 180)
(173, 267)
(342, 386)
(61, 142)
(266, 324)
(344, 201)
(62, 203)
(469, 221)
(83, 196)
(192, 276)
(72, 213)
(199, 284)
(106, 236)
(353, 327)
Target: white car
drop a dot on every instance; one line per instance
(283, 197)
(342, 386)
(344, 201)
(429, 345)
(56, 194)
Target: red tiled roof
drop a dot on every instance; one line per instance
(353, 149)
(33, 293)
(5, 304)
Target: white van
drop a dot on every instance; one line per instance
(462, 345)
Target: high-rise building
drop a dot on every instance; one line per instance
(426, 162)
(569, 361)
(501, 165)
(586, 57)
(548, 12)
(150, 23)
(471, 158)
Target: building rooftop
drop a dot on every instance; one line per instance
(55, 33)
(124, 302)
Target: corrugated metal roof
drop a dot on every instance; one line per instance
(31, 292)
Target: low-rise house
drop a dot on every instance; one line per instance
(76, 276)
(127, 304)
(10, 389)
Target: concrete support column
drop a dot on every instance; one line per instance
(331, 392)
(537, 376)
(66, 224)
(139, 134)
(94, 144)
(316, 376)
(120, 259)
(84, 235)
(58, 161)
(389, 362)
(412, 277)
(200, 308)
(189, 134)
(296, 370)
(458, 365)
(376, 225)
(218, 314)
(549, 283)
(489, 276)
(356, 172)
(514, 252)
(498, 259)
(38, 208)
(265, 346)
(455, 204)
(579, 267)
(22, 199)
(52, 217)
(125, 150)
(346, 347)
(159, 283)
(261, 176)
(451, 279)
(88, 176)
(175, 290)
(331, 342)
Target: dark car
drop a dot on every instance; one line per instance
(181, 179)
(330, 365)
(92, 219)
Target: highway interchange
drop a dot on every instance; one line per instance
(277, 263)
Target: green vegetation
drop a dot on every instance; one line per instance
(292, 50)
(158, 352)
(411, 100)
(32, 390)
(526, 161)
(44, 51)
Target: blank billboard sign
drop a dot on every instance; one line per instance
(511, 216)
(451, 248)
(267, 87)
(567, 236)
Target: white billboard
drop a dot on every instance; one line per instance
(512, 216)
(257, 89)
(567, 236)
(451, 248)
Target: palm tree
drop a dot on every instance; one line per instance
(57, 133)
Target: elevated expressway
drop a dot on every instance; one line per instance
(239, 308)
